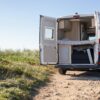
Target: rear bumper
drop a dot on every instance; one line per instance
(80, 66)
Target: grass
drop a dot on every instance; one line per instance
(20, 73)
(28, 56)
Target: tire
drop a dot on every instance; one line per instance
(62, 71)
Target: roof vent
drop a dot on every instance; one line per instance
(76, 16)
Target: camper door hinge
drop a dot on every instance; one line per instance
(54, 47)
(40, 49)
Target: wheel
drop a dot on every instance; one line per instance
(62, 71)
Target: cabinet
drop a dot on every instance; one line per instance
(65, 24)
(64, 54)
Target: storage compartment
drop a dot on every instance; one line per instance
(65, 25)
(76, 29)
(76, 52)
(83, 54)
(75, 46)
(70, 30)
(64, 54)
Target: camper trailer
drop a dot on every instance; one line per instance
(70, 42)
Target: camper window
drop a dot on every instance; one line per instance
(49, 33)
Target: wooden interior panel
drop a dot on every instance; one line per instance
(74, 34)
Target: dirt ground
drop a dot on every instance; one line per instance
(75, 85)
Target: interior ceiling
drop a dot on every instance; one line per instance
(82, 19)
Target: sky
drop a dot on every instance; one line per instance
(19, 19)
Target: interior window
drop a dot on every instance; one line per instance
(49, 33)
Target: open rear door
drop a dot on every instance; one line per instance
(48, 40)
(97, 46)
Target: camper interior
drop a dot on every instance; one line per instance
(76, 40)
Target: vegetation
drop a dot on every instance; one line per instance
(20, 73)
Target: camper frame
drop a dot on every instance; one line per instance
(70, 42)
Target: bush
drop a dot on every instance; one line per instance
(20, 72)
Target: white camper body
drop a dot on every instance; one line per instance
(71, 41)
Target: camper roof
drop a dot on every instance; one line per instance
(76, 15)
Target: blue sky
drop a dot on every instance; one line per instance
(19, 19)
